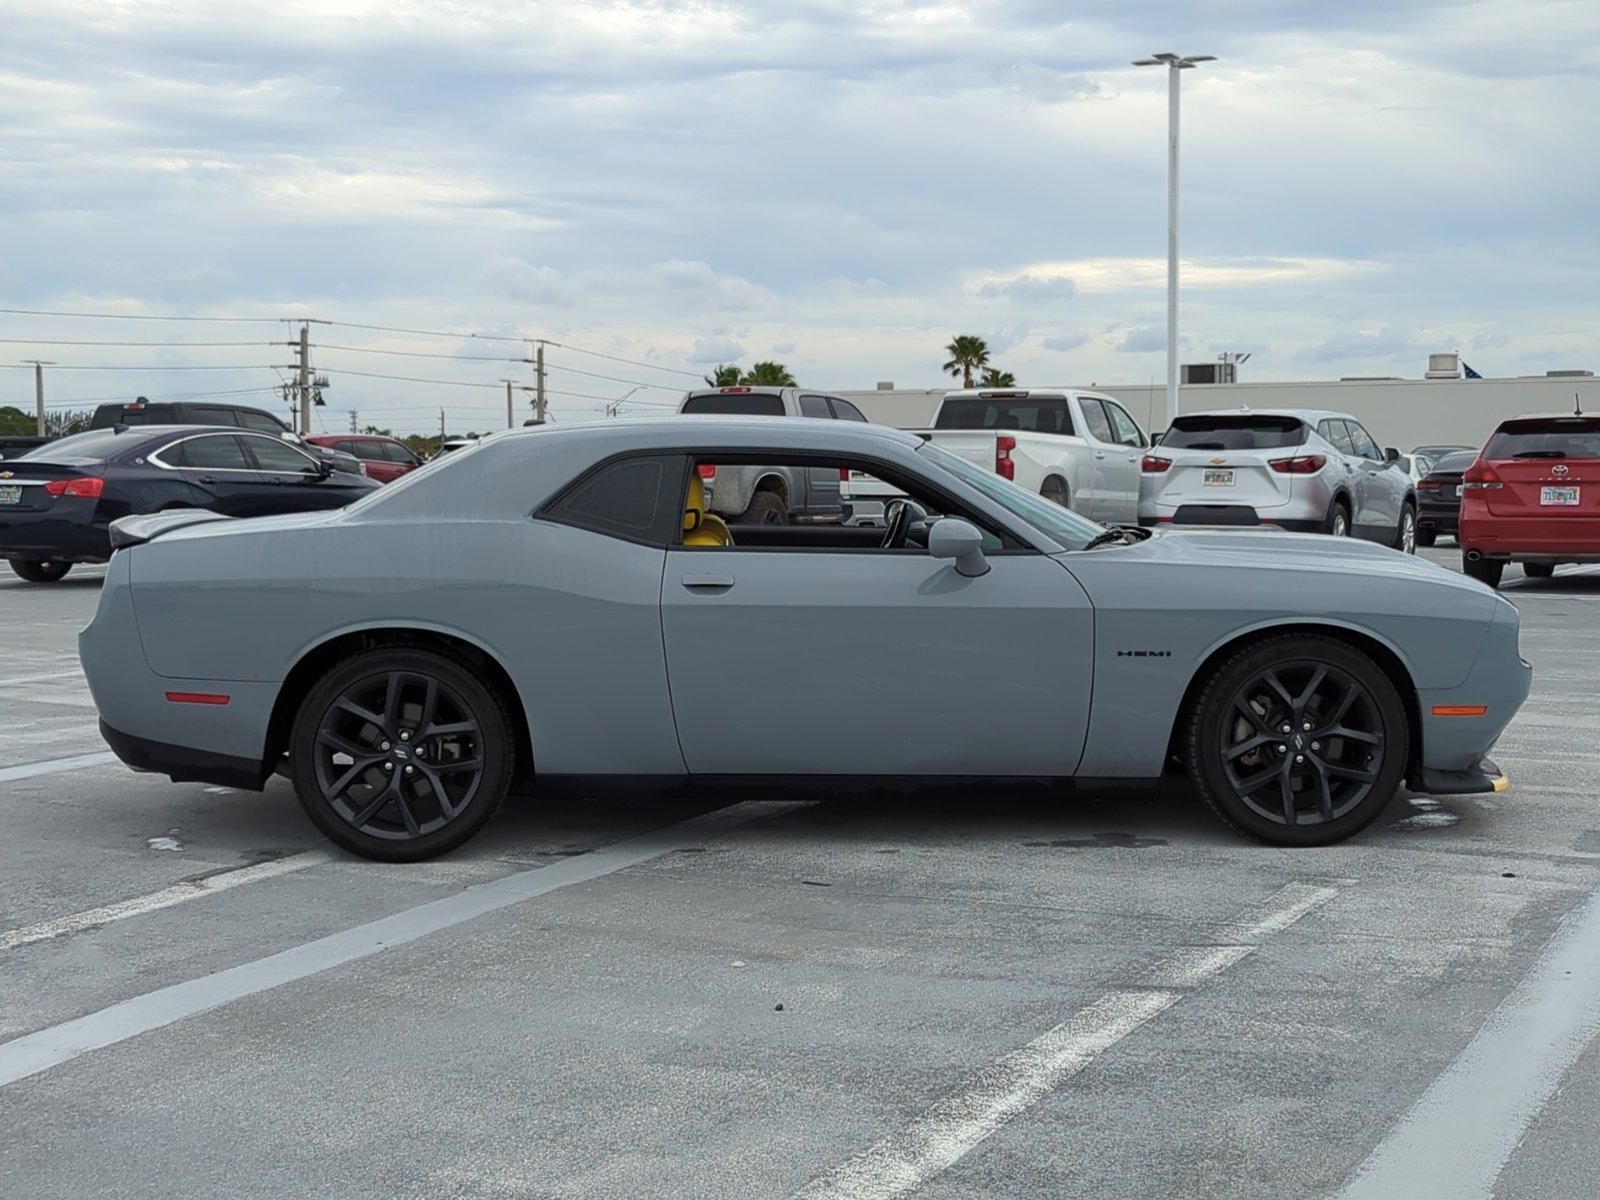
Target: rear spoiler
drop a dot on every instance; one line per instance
(131, 531)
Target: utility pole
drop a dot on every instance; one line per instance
(305, 380)
(538, 376)
(511, 415)
(39, 364)
(353, 428)
(441, 429)
(1174, 65)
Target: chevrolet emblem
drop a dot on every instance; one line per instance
(1217, 462)
(6, 474)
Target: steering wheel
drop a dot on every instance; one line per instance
(898, 516)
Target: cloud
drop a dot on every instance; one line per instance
(716, 349)
(1389, 343)
(1069, 341)
(1489, 341)
(1031, 288)
(519, 279)
(1142, 339)
(782, 348)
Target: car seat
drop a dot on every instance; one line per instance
(702, 528)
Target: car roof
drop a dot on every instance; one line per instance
(688, 431)
(1308, 415)
(1019, 393)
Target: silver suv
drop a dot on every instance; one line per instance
(762, 495)
(1298, 469)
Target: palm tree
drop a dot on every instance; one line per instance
(967, 353)
(768, 374)
(995, 378)
(724, 375)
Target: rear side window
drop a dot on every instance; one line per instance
(1235, 431)
(259, 421)
(394, 452)
(626, 498)
(1036, 414)
(207, 414)
(1548, 437)
(219, 452)
(846, 411)
(815, 406)
(750, 404)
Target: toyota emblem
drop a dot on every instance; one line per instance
(1559, 469)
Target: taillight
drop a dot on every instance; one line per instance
(1481, 475)
(844, 474)
(84, 485)
(1154, 464)
(707, 470)
(1429, 485)
(1004, 444)
(1300, 464)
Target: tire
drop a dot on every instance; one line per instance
(1427, 537)
(1538, 570)
(402, 820)
(1337, 521)
(41, 570)
(1329, 685)
(766, 508)
(1485, 570)
(1405, 536)
(1055, 490)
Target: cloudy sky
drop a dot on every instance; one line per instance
(838, 184)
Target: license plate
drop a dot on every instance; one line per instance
(1456, 491)
(11, 495)
(1217, 478)
(1558, 495)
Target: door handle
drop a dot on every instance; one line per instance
(1099, 453)
(708, 582)
(208, 479)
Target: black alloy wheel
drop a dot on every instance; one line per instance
(1299, 740)
(401, 754)
(41, 570)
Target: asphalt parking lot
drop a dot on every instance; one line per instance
(968, 994)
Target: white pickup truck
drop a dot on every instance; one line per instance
(1079, 449)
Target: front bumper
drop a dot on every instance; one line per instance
(1485, 777)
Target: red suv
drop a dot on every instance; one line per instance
(385, 459)
(1533, 497)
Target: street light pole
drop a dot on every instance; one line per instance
(1174, 64)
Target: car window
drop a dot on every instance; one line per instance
(1362, 441)
(1126, 428)
(1459, 461)
(217, 452)
(281, 458)
(1037, 414)
(108, 415)
(846, 411)
(632, 497)
(1094, 416)
(1546, 437)
(259, 421)
(210, 414)
(751, 404)
(1061, 525)
(1234, 431)
(77, 449)
(815, 406)
(1335, 434)
(391, 452)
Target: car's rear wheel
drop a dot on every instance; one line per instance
(41, 570)
(766, 508)
(1427, 537)
(1298, 739)
(400, 754)
(1484, 570)
(1055, 491)
(1537, 570)
(1338, 520)
(1406, 535)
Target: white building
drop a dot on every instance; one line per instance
(1399, 412)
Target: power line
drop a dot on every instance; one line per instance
(154, 367)
(632, 362)
(161, 396)
(44, 312)
(419, 354)
(41, 342)
(482, 337)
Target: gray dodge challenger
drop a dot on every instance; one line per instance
(557, 606)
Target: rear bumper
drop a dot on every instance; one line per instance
(1230, 514)
(51, 536)
(184, 764)
(1539, 536)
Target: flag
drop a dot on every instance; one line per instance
(1469, 372)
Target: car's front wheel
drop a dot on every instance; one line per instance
(1298, 739)
(401, 754)
(41, 570)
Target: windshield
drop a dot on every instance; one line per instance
(1036, 414)
(1459, 461)
(1061, 525)
(1241, 431)
(1554, 437)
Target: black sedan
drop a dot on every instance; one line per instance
(57, 502)
(1439, 497)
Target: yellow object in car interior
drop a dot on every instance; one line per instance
(702, 528)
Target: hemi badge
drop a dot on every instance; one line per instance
(197, 698)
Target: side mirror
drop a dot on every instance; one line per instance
(324, 468)
(952, 537)
(1390, 454)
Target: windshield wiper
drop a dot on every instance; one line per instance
(1110, 536)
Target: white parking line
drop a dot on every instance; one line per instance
(952, 1126)
(1456, 1140)
(179, 893)
(35, 1052)
(56, 766)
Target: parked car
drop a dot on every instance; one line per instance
(1301, 470)
(1078, 450)
(1439, 497)
(1532, 497)
(141, 412)
(57, 501)
(383, 458)
(12, 445)
(757, 494)
(987, 631)
(1432, 453)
